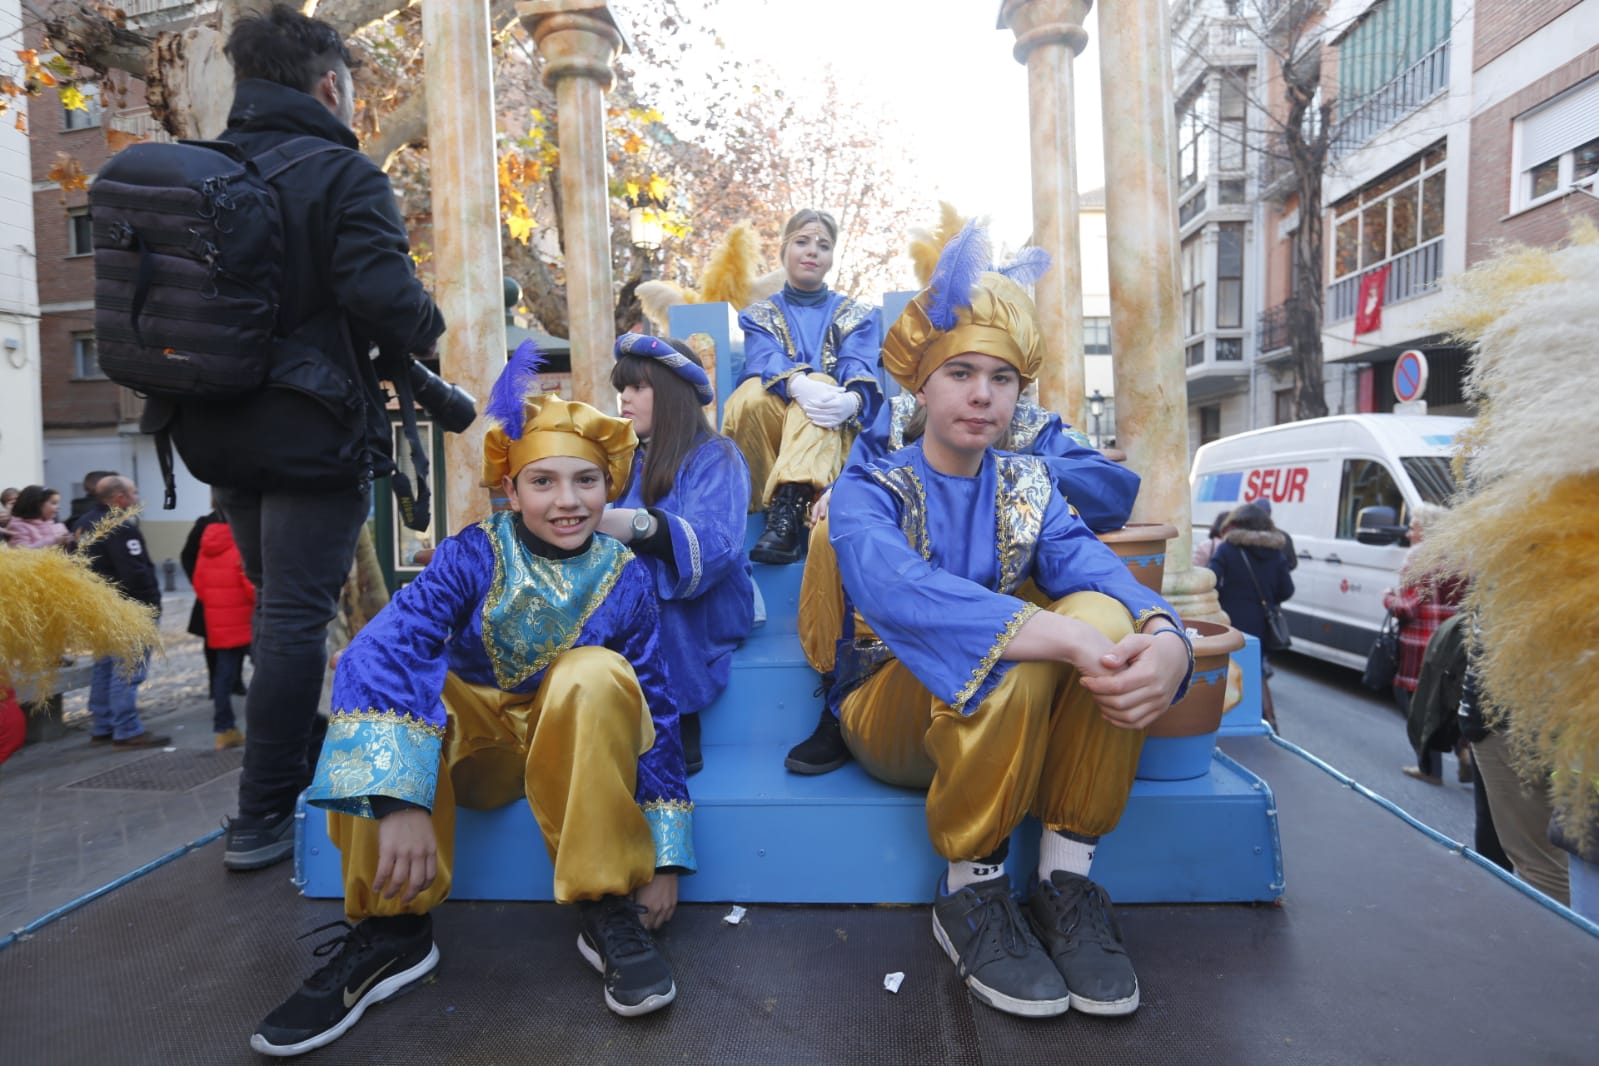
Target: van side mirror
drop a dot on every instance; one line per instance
(1375, 525)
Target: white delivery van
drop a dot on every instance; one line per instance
(1343, 488)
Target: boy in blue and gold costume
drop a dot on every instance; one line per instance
(1003, 658)
(524, 660)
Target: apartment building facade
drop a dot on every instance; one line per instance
(21, 418)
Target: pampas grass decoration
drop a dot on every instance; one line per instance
(1526, 530)
(56, 605)
(730, 276)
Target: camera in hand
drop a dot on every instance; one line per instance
(450, 405)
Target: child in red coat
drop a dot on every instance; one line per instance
(229, 599)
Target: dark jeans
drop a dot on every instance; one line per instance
(297, 549)
(229, 667)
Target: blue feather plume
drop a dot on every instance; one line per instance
(511, 389)
(964, 258)
(1030, 264)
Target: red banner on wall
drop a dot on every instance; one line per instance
(1368, 316)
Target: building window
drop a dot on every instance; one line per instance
(1195, 353)
(1192, 121)
(85, 361)
(80, 232)
(1230, 191)
(1096, 336)
(1209, 424)
(1394, 214)
(1229, 349)
(1555, 146)
(1231, 129)
(83, 119)
(1282, 406)
(1392, 37)
(1193, 286)
(1230, 276)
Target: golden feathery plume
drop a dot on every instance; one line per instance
(925, 247)
(658, 297)
(1523, 530)
(732, 267)
(56, 605)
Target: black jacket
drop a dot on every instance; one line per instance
(122, 558)
(1232, 562)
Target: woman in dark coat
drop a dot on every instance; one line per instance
(1252, 544)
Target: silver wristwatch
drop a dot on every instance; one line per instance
(642, 523)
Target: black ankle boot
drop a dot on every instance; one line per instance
(784, 540)
(693, 758)
(823, 751)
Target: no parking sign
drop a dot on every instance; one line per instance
(1410, 376)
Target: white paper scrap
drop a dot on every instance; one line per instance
(734, 916)
(892, 981)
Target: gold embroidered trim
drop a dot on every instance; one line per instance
(980, 671)
(1022, 490)
(765, 314)
(1025, 425)
(907, 487)
(1148, 614)
(390, 717)
(685, 806)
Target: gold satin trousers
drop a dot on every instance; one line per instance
(782, 445)
(1037, 744)
(572, 748)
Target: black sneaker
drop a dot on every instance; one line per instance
(983, 932)
(254, 843)
(783, 541)
(374, 960)
(1076, 922)
(693, 755)
(823, 751)
(614, 941)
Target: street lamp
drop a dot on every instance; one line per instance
(1096, 410)
(644, 227)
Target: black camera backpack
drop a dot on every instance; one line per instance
(188, 265)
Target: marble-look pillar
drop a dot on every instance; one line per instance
(579, 40)
(1049, 35)
(467, 271)
(1145, 283)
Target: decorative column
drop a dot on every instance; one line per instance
(579, 40)
(1049, 35)
(467, 274)
(1145, 282)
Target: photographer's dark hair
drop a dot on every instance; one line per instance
(679, 422)
(285, 46)
(31, 500)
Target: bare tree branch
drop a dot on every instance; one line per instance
(94, 41)
(348, 16)
(404, 126)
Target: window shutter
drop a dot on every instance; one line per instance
(1560, 125)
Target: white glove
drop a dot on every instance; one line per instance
(805, 392)
(834, 410)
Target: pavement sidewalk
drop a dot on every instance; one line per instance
(79, 815)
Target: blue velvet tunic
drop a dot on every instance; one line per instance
(493, 613)
(1099, 490)
(932, 563)
(840, 337)
(707, 594)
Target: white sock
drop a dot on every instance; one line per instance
(1056, 851)
(965, 873)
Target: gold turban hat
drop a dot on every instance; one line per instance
(998, 320)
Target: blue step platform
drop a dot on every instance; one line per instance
(765, 835)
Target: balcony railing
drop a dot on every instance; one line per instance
(1405, 93)
(1271, 330)
(1411, 274)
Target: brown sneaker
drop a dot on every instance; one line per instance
(1416, 772)
(229, 738)
(142, 740)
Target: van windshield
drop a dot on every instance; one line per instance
(1431, 476)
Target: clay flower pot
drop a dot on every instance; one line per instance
(1178, 746)
(1142, 546)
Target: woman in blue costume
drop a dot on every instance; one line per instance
(1099, 489)
(809, 383)
(525, 660)
(682, 513)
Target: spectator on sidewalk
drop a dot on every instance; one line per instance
(7, 498)
(229, 601)
(82, 505)
(33, 519)
(120, 557)
(188, 558)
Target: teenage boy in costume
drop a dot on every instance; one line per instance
(524, 660)
(1004, 658)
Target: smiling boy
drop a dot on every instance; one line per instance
(524, 660)
(1003, 658)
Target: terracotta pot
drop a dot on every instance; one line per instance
(1142, 546)
(1179, 745)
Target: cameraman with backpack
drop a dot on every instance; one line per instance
(293, 460)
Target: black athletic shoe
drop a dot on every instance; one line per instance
(783, 541)
(823, 751)
(254, 843)
(614, 941)
(693, 755)
(371, 962)
(983, 932)
(1078, 926)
